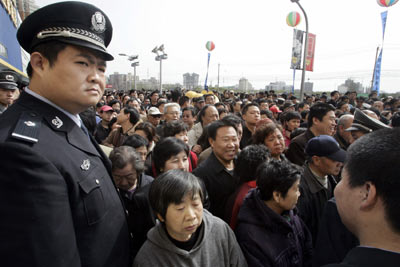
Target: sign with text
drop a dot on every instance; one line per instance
(310, 52)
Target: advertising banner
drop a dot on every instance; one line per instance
(297, 48)
(310, 52)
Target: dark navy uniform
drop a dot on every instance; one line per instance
(58, 203)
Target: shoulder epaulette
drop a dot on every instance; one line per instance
(27, 128)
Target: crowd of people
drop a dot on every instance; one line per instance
(177, 178)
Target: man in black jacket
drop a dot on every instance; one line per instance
(58, 203)
(317, 184)
(368, 201)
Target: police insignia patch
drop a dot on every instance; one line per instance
(98, 22)
(85, 165)
(29, 123)
(57, 122)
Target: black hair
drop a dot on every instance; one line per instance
(372, 159)
(191, 110)
(318, 111)
(135, 141)
(248, 160)
(297, 132)
(341, 104)
(219, 105)
(276, 175)
(123, 155)
(174, 127)
(134, 116)
(202, 113)
(291, 115)
(152, 93)
(49, 50)
(88, 118)
(113, 102)
(170, 188)
(165, 149)
(112, 122)
(183, 99)
(215, 125)
(333, 93)
(396, 119)
(148, 129)
(232, 119)
(248, 105)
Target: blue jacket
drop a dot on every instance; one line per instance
(269, 239)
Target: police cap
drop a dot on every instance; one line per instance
(71, 22)
(363, 122)
(8, 80)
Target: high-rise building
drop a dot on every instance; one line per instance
(26, 7)
(190, 81)
(245, 85)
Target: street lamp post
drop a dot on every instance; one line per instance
(303, 74)
(160, 57)
(134, 65)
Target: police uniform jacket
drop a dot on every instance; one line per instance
(58, 204)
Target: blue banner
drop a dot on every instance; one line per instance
(208, 64)
(384, 18)
(377, 73)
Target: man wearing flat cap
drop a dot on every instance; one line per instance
(324, 161)
(58, 203)
(8, 87)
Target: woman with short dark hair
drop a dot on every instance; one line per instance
(186, 235)
(269, 230)
(271, 136)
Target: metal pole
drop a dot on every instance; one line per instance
(160, 75)
(134, 77)
(218, 76)
(303, 74)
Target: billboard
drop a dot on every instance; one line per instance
(297, 48)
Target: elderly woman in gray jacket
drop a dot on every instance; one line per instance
(186, 235)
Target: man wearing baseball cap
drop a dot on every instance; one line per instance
(8, 87)
(324, 161)
(102, 129)
(58, 203)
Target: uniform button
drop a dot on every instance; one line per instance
(127, 212)
(131, 235)
(118, 190)
(97, 181)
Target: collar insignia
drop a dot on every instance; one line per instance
(29, 123)
(57, 122)
(85, 165)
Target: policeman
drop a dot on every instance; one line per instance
(8, 87)
(58, 203)
(364, 124)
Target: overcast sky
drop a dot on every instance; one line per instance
(253, 40)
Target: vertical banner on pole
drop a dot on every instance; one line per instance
(377, 70)
(297, 49)
(377, 73)
(208, 64)
(310, 52)
(384, 18)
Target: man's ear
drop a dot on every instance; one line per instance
(38, 63)
(211, 141)
(369, 196)
(276, 196)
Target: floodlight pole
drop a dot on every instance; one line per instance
(303, 74)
